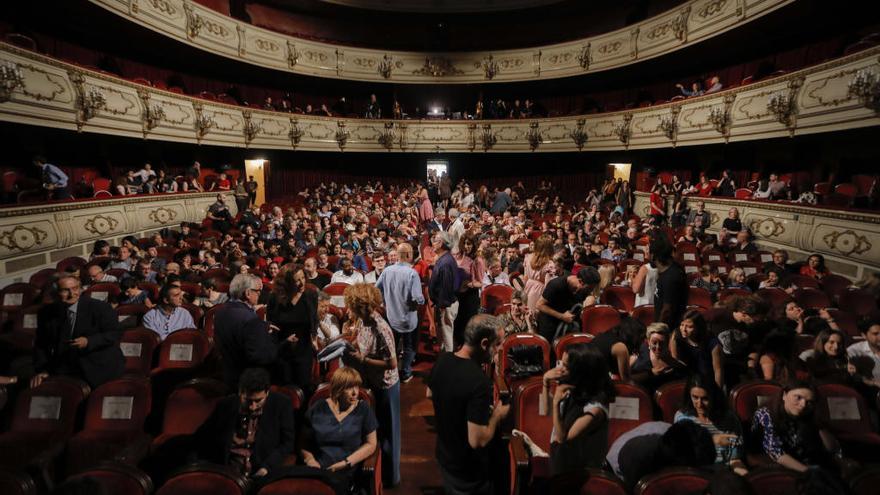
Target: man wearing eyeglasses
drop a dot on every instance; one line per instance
(243, 337)
(77, 336)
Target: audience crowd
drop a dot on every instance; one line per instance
(354, 283)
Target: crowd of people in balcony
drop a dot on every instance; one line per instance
(404, 259)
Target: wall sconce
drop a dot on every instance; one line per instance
(578, 135)
(10, 78)
(866, 87)
(487, 137)
(490, 67)
(386, 139)
(153, 115)
(720, 119)
(295, 133)
(783, 107)
(203, 124)
(341, 134)
(534, 136)
(669, 126)
(90, 103)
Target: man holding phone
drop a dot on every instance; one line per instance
(78, 337)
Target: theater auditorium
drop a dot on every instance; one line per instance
(439, 247)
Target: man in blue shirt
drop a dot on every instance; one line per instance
(443, 287)
(357, 261)
(402, 290)
(54, 180)
(169, 316)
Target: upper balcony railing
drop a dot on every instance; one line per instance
(199, 26)
(836, 95)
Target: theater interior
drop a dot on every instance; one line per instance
(540, 241)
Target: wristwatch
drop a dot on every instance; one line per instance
(347, 462)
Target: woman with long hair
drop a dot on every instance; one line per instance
(473, 268)
(815, 267)
(607, 274)
(580, 409)
(377, 359)
(827, 360)
(619, 344)
(704, 403)
(539, 269)
(294, 310)
(700, 351)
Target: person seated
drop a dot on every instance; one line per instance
(827, 360)
(696, 89)
(97, 276)
(740, 330)
(865, 355)
(815, 267)
(222, 183)
(347, 274)
(786, 433)
(379, 261)
(726, 185)
(744, 242)
(612, 252)
(168, 316)
(704, 403)
(520, 319)
(132, 294)
(124, 260)
(709, 280)
(357, 261)
(328, 323)
(144, 272)
(209, 261)
(579, 408)
(714, 85)
(777, 358)
(654, 365)
(319, 280)
(736, 279)
(495, 274)
(341, 431)
(699, 217)
(732, 223)
(219, 214)
(252, 431)
(210, 295)
(704, 187)
(773, 281)
(779, 263)
(655, 445)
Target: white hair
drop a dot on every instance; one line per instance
(241, 283)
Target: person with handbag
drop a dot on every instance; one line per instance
(559, 296)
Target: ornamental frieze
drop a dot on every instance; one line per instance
(847, 242)
(767, 227)
(22, 238)
(45, 86)
(162, 215)
(100, 224)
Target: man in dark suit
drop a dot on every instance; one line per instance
(77, 336)
(252, 431)
(242, 337)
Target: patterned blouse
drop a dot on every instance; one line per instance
(803, 444)
(370, 346)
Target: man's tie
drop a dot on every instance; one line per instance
(71, 322)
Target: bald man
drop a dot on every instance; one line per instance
(401, 288)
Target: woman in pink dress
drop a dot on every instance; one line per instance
(539, 269)
(426, 211)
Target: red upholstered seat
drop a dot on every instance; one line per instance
(621, 298)
(138, 346)
(802, 282)
(742, 193)
(185, 348)
(42, 278)
(151, 288)
(114, 423)
(15, 297)
(218, 274)
(835, 285)
(747, 397)
(751, 267)
(116, 477)
(297, 486)
(673, 481)
(845, 412)
(292, 392)
(596, 320)
(669, 398)
(602, 483)
(774, 297)
(75, 261)
(846, 321)
(106, 292)
(336, 292)
(571, 339)
(495, 295)
(630, 400)
(205, 479)
(778, 481)
(523, 339)
(812, 298)
(847, 189)
(209, 321)
(130, 315)
(526, 418)
(686, 251)
(644, 313)
(42, 420)
(699, 297)
(726, 293)
(188, 406)
(196, 313)
(857, 301)
(736, 256)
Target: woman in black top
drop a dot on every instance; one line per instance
(732, 223)
(294, 311)
(619, 343)
(726, 186)
(580, 409)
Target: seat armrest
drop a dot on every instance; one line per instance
(519, 453)
(371, 473)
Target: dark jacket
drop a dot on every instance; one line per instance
(275, 433)
(445, 281)
(100, 362)
(243, 341)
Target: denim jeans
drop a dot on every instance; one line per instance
(408, 342)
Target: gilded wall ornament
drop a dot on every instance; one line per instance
(865, 86)
(487, 137)
(100, 224)
(295, 134)
(162, 215)
(341, 134)
(10, 78)
(579, 135)
(767, 227)
(22, 238)
(623, 131)
(585, 57)
(292, 54)
(489, 65)
(385, 66)
(534, 136)
(847, 242)
(437, 67)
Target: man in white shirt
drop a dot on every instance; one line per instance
(347, 274)
(378, 266)
(456, 227)
(495, 274)
(169, 316)
(865, 355)
(145, 173)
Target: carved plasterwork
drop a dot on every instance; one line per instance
(767, 227)
(22, 238)
(829, 91)
(692, 22)
(42, 85)
(847, 242)
(162, 215)
(100, 224)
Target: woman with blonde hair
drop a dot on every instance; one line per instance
(539, 269)
(607, 274)
(342, 431)
(377, 359)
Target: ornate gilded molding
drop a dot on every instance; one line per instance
(22, 238)
(57, 94)
(101, 224)
(10, 79)
(386, 139)
(847, 242)
(685, 25)
(534, 136)
(162, 215)
(767, 227)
